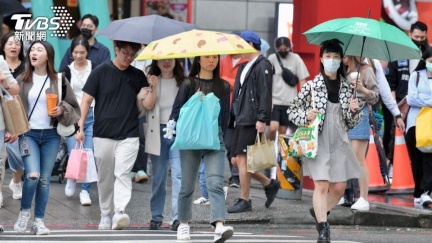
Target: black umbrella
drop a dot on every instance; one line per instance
(10, 7)
(378, 143)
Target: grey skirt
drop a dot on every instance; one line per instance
(335, 161)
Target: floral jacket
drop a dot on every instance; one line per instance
(297, 110)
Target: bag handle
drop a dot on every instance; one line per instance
(258, 138)
(279, 60)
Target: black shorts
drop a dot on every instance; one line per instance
(243, 136)
(280, 115)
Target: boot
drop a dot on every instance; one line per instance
(323, 232)
(312, 213)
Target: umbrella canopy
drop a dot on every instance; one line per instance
(366, 38)
(195, 43)
(11, 7)
(144, 29)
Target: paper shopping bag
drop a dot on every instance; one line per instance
(261, 155)
(91, 173)
(77, 164)
(15, 117)
(424, 130)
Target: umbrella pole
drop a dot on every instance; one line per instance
(358, 67)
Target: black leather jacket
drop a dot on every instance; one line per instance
(252, 101)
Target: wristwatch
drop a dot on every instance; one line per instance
(399, 116)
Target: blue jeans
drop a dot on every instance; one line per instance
(214, 166)
(44, 146)
(88, 140)
(202, 181)
(159, 178)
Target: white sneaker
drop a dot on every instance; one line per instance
(39, 228)
(202, 201)
(341, 201)
(223, 233)
(183, 232)
(105, 222)
(425, 199)
(16, 190)
(22, 221)
(70, 187)
(361, 205)
(85, 198)
(120, 221)
(417, 200)
(1, 200)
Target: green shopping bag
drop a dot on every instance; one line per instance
(198, 125)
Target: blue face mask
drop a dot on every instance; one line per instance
(429, 66)
(331, 65)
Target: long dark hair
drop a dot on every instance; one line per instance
(28, 72)
(218, 83)
(333, 45)
(426, 54)
(178, 71)
(3, 41)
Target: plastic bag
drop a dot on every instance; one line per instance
(304, 142)
(261, 155)
(424, 130)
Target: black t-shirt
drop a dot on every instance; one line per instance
(115, 91)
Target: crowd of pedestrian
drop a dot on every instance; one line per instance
(122, 110)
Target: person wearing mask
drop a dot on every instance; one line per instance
(335, 162)
(419, 96)
(397, 74)
(78, 72)
(204, 76)
(38, 80)
(117, 89)
(251, 111)
(282, 93)
(98, 52)
(13, 53)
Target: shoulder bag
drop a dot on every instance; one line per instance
(289, 77)
(62, 130)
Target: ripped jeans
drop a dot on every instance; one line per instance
(44, 145)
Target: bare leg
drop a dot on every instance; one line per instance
(359, 147)
(245, 177)
(274, 126)
(17, 176)
(335, 193)
(319, 200)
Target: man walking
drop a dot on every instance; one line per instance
(251, 106)
(117, 88)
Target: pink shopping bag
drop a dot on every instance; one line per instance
(77, 164)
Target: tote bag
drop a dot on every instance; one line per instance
(91, 172)
(261, 155)
(77, 164)
(15, 118)
(304, 142)
(423, 130)
(198, 126)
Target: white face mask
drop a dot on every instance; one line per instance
(429, 66)
(331, 65)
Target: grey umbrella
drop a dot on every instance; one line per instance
(144, 29)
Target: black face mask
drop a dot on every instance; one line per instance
(86, 33)
(420, 44)
(283, 54)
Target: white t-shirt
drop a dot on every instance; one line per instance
(246, 70)
(168, 91)
(39, 118)
(78, 80)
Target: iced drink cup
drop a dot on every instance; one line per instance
(51, 102)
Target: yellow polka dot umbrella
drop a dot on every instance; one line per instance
(195, 43)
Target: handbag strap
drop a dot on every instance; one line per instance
(312, 95)
(279, 60)
(37, 98)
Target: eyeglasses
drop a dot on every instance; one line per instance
(130, 55)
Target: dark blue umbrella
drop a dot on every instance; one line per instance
(144, 29)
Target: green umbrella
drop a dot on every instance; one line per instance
(366, 38)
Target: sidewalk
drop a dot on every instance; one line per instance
(62, 210)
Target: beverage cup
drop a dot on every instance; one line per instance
(51, 102)
(353, 75)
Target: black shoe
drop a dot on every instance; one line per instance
(323, 232)
(175, 225)
(312, 213)
(240, 206)
(235, 181)
(155, 225)
(271, 191)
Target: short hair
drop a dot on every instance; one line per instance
(419, 25)
(333, 45)
(92, 17)
(123, 44)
